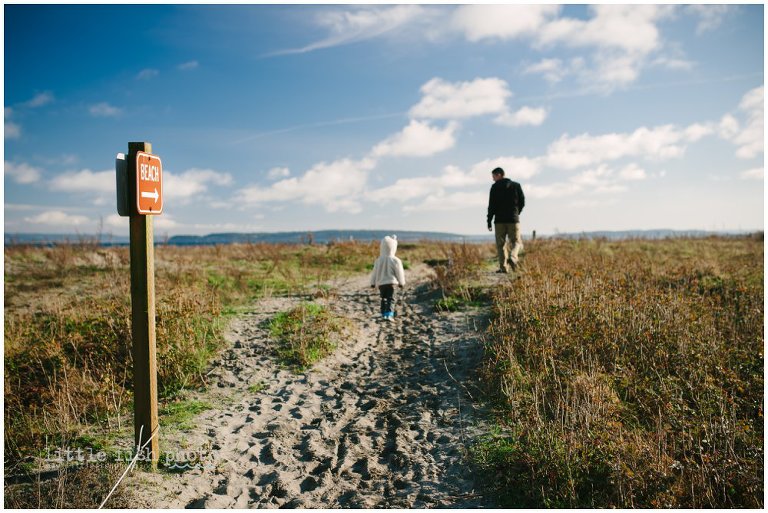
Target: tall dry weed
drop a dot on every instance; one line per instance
(630, 374)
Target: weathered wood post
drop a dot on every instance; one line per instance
(143, 309)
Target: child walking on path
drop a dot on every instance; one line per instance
(388, 272)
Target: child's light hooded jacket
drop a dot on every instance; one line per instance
(388, 269)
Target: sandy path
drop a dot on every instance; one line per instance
(383, 422)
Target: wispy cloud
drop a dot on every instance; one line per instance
(192, 183)
(673, 63)
(757, 173)
(554, 70)
(448, 201)
(750, 138)
(657, 143)
(351, 26)
(22, 173)
(189, 65)
(620, 40)
(319, 124)
(104, 110)
(147, 73)
(452, 177)
(85, 180)
(39, 100)
(619, 37)
(710, 16)
(277, 173)
(11, 130)
(58, 218)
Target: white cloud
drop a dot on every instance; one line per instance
(405, 189)
(515, 168)
(710, 16)
(116, 221)
(11, 130)
(600, 180)
(445, 100)
(593, 203)
(729, 127)
(39, 100)
(58, 218)
(193, 182)
(165, 222)
(147, 74)
(629, 28)
(553, 70)
(442, 201)
(418, 139)
(662, 142)
(22, 173)
(85, 181)
(620, 36)
(524, 116)
(673, 63)
(104, 110)
(633, 172)
(751, 139)
(336, 186)
(611, 188)
(350, 26)
(696, 131)
(753, 174)
(479, 22)
(452, 177)
(278, 172)
(189, 65)
(593, 177)
(555, 190)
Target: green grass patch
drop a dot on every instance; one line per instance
(306, 333)
(179, 414)
(256, 388)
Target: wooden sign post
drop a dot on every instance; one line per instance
(143, 295)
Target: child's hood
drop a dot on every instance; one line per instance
(389, 246)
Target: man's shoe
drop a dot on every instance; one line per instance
(501, 271)
(512, 264)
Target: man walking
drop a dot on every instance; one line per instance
(505, 203)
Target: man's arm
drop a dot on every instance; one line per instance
(491, 209)
(522, 198)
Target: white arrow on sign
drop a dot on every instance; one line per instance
(153, 195)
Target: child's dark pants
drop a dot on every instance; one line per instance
(387, 294)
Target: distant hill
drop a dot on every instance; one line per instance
(319, 237)
(644, 234)
(326, 236)
(63, 238)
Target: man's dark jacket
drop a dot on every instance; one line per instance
(506, 202)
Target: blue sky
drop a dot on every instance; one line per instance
(309, 117)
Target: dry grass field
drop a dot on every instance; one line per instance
(68, 368)
(622, 374)
(630, 374)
